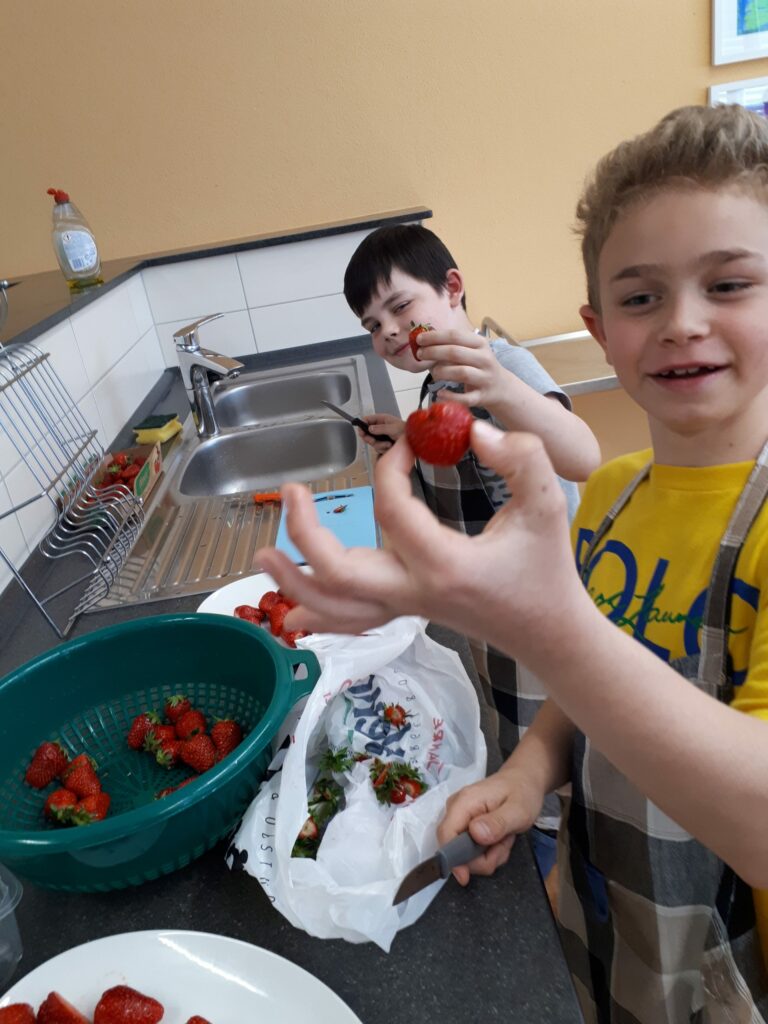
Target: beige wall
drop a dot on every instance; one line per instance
(175, 122)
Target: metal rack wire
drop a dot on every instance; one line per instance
(92, 523)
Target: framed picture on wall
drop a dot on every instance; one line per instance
(739, 30)
(752, 93)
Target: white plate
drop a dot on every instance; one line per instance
(249, 590)
(224, 980)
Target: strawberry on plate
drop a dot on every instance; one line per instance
(17, 1013)
(48, 762)
(125, 1005)
(440, 434)
(267, 600)
(277, 614)
(249, 613)
(55, 1009)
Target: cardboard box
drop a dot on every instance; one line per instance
(145, 479)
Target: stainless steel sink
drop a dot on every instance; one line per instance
(253, 398)
(262, 458)
(202, 527)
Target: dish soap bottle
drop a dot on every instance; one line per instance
(74, 243)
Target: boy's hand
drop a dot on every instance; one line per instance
(503, 585)
(464, 357)
(494, 812)
(382, 423)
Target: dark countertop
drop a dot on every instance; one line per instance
(489, 952)
(37, 302)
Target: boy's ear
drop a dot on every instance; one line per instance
(454, 286)
(594, 324)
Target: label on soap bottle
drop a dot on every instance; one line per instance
(80, 250)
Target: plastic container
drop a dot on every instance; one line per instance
(73, 243)
(86, 692)
(10, 940)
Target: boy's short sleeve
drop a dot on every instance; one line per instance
(527, 368)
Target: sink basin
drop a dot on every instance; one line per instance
(249, 400)
(265, 457)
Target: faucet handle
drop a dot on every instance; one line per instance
(186, 337)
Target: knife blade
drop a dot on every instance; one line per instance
(460, 850)
(357, 422)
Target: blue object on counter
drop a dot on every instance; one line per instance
(347, 513)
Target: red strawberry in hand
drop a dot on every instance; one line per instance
(226, 735)
(47, 764)
(55, 1009)
(18, 1013)
(413, 336)
(440, 434)
(124, 1005)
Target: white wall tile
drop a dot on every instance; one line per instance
(37, 518)
(65, 359)
(298, 270)
(120, 392)
(107, 329)
(231, 335)
(194, 288)
(11, 539)
(137, 295)
(303, 323)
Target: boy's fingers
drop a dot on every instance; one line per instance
(519, 458)
(398, 512)
(318, 545)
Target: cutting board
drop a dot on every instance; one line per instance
(354, 524)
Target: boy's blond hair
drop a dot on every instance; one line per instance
(704, 147)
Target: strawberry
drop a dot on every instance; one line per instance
(172, 789)
(177, 706)
(48, 762)
(192, 1020)
(249, 613)
(413, 335)
(309, 829)
(190, 724)
(277, 614)
(291, 636)
(267, 600)
(124, 1005)
(396, 715)
(397, 794)
(22, 1013)
(91, 808)
(81, 776)
(199, 752)
(440, 434)
(59, 805)
(168, 753)
(411, 787)
(226, 735)
(55, 1009)
(140, 726)
(159, 734)
(286, 600)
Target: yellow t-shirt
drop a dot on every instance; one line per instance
(653, 569)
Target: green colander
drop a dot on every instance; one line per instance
(86, 692)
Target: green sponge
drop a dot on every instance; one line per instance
(157, 428)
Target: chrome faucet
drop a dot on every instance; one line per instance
(198, 366)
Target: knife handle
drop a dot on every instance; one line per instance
(460, 850)
(357, 422)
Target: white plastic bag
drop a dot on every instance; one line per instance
(367, 848)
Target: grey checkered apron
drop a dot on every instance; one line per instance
(656, 928)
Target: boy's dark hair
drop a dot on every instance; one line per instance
(692, 147)
(414, 249)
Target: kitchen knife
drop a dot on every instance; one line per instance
(460, 850)
(357, 422)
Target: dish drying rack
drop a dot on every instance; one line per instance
(94, 528)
